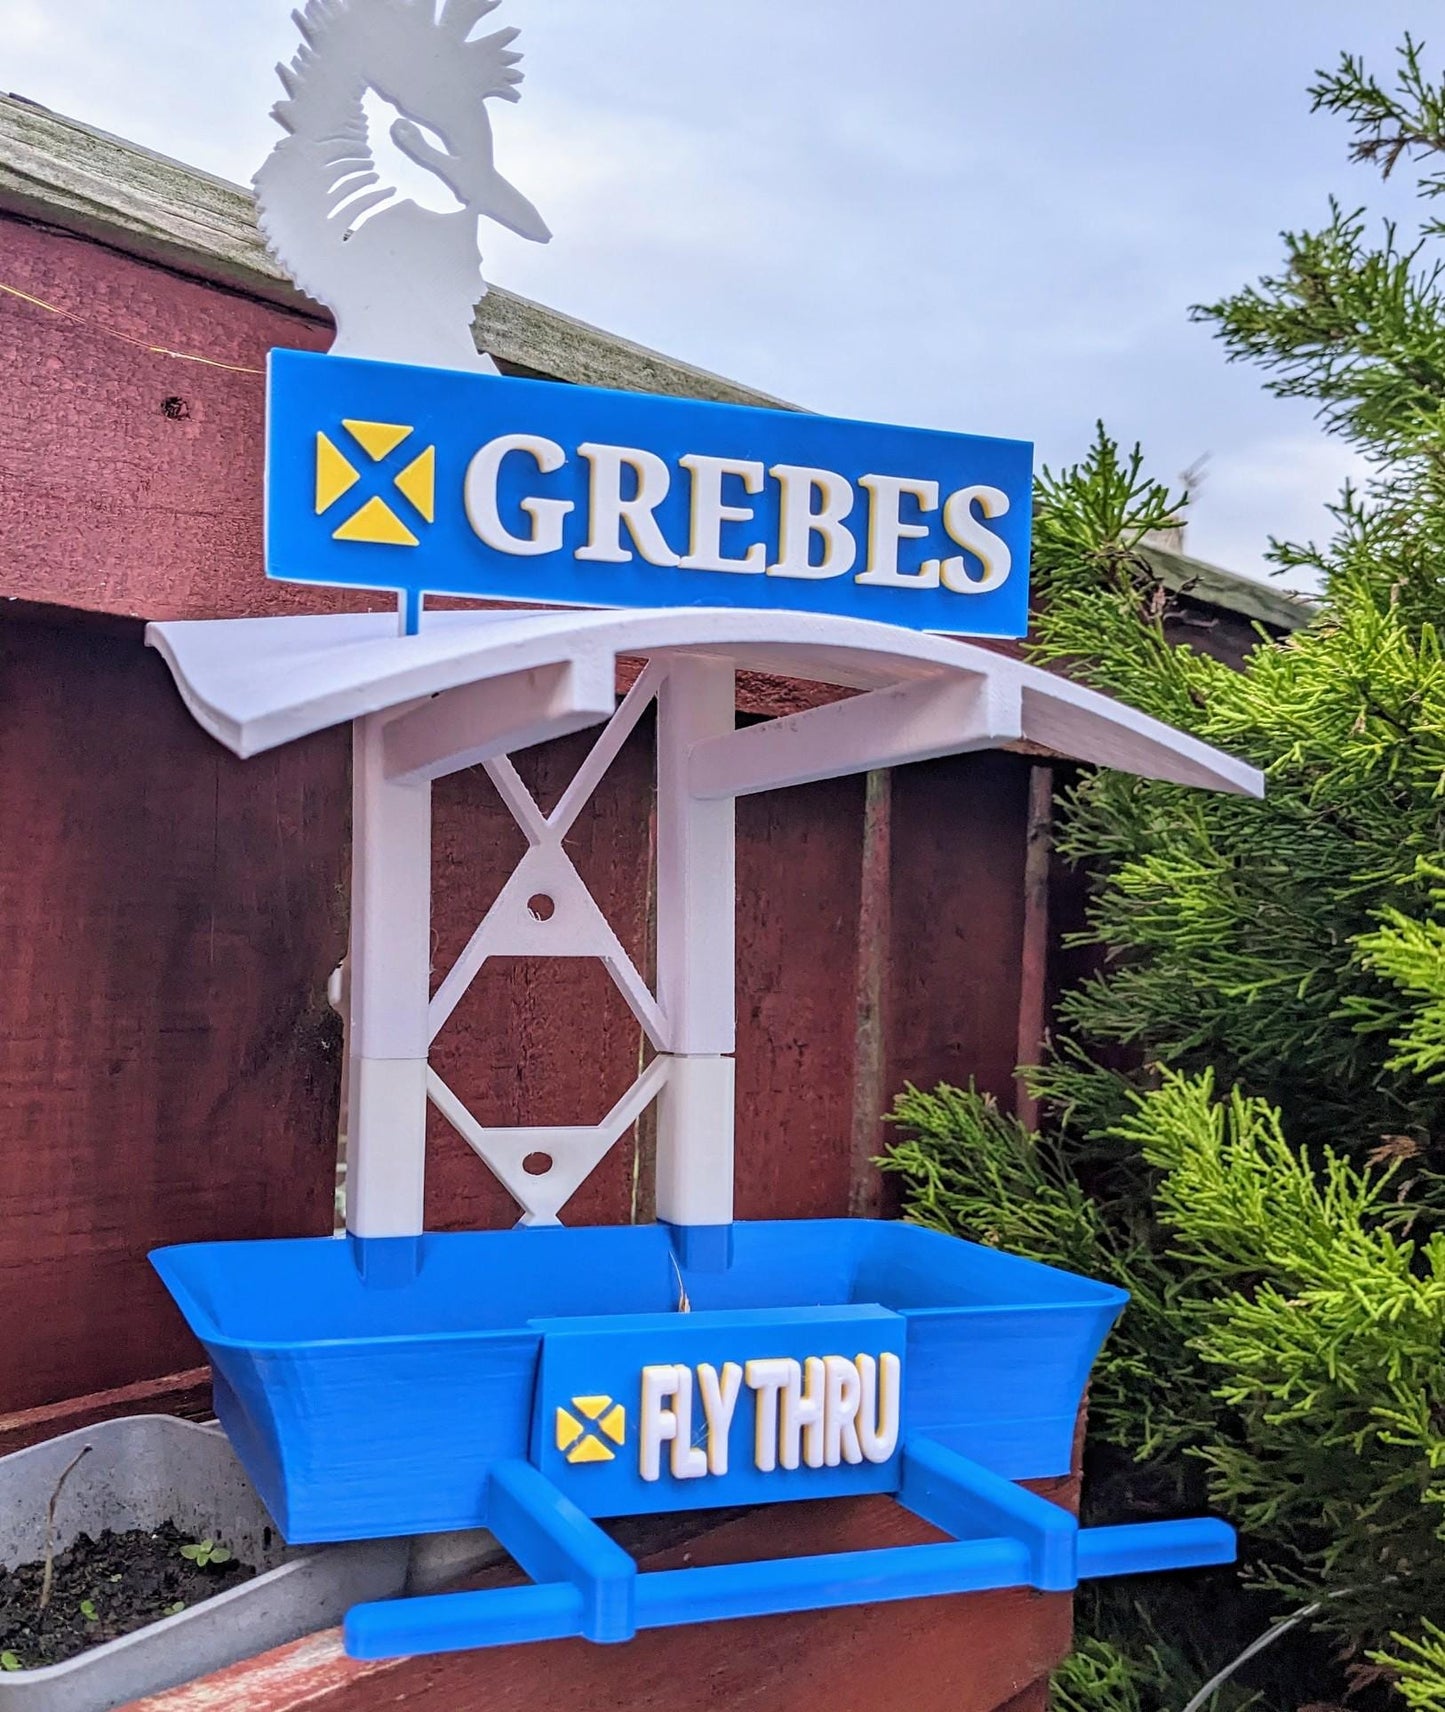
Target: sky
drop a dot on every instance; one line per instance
(983, 215)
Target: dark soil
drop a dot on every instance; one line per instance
(103, 1588)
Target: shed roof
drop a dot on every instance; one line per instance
(88, 182)
(478, 684)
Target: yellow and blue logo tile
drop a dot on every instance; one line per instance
(373, 446)
(593, 1429)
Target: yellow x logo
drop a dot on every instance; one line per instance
(581, 1436)
(376, 521)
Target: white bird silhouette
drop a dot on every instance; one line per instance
(401, 280)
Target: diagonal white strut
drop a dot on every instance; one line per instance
(573, 924)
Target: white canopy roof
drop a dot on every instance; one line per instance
(478, 684)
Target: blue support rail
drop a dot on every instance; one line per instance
(589, 1587)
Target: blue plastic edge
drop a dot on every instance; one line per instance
(387, 1262)
(701, 1248)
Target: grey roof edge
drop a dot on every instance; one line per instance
(70, 175)
(1213, 586)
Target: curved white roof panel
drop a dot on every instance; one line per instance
(495, 681)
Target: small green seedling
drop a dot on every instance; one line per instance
(9, 1661)
(205, 1553)
(88, 1610)
(176, 1609)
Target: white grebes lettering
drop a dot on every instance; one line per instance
(826, 525)
(819, 1412)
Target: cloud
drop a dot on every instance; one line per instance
(1277, 488)
(30, 27)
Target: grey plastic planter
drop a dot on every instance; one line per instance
(143, 1472)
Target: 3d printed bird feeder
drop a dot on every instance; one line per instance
(537, 1380)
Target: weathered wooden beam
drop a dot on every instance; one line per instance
(871, 1092)
(187, 1394)
(1037, 938)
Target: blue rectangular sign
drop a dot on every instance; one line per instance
(435, 481)
(661, 1412)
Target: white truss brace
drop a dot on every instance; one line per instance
(575, 926)
(575, 1150)
(571, 925)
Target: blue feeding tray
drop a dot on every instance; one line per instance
(533, 1381)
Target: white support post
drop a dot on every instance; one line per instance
(390, 979)
(695, 1135)
(696, 952)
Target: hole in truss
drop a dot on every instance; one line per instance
(537, 1164)
(542, 907)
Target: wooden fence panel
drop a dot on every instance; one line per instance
(171, 915)
(130, 481)
(959, 841)
(800, 864)
(168, 1063)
